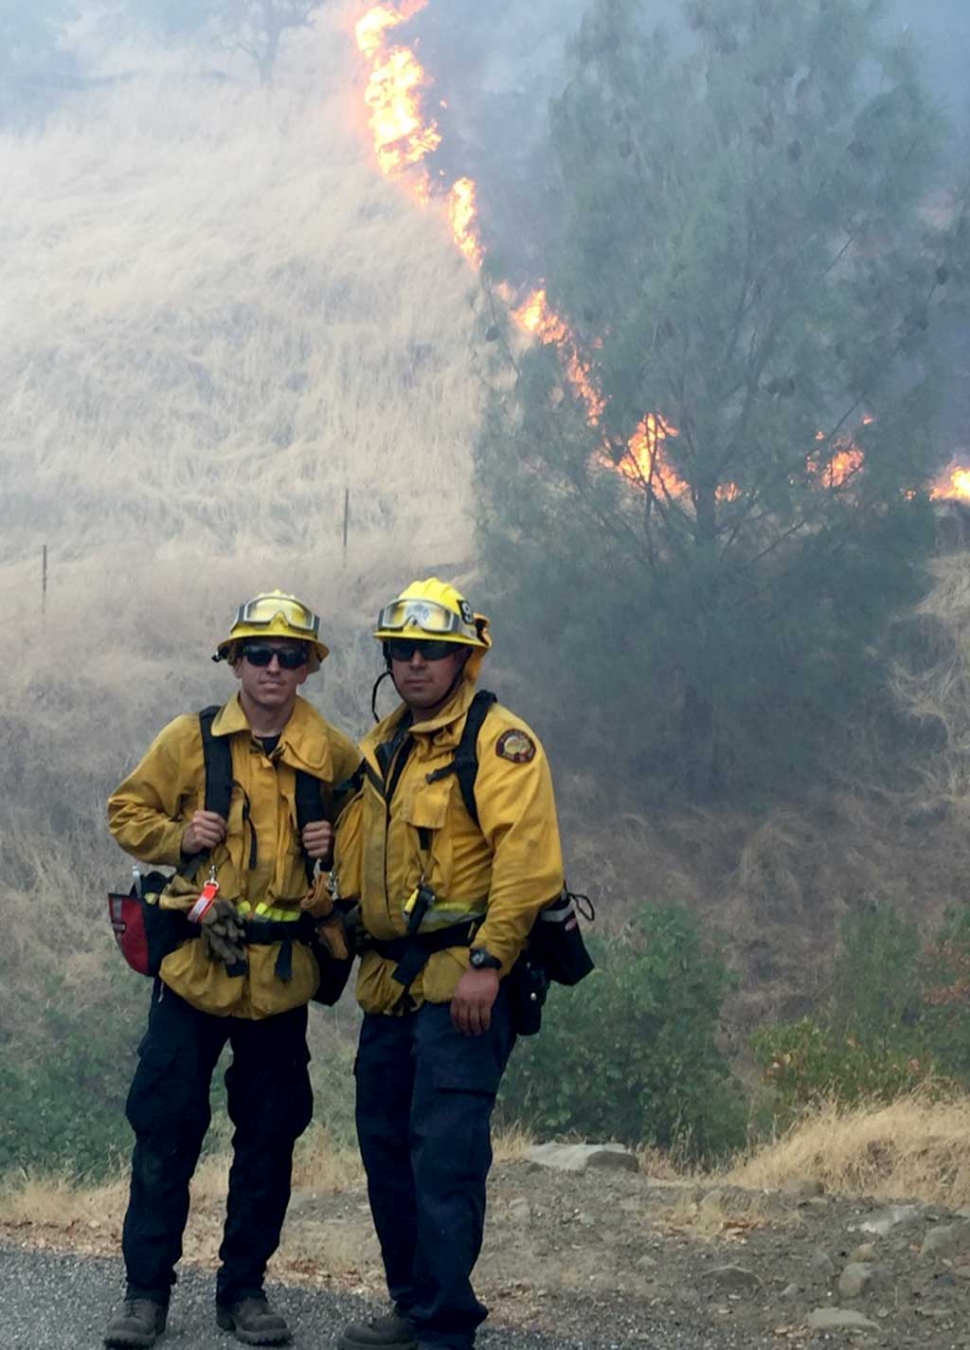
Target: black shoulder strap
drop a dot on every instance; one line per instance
(466, 756)
(465, 762)
(314, 799)
(217, 754)
(217, 794)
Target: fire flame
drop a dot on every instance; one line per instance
(643, 461)
(402, 135)
(837, 471)
(952, 485)
(462, 213)
(537, 317)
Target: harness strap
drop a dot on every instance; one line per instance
(411, 953)
(465, 762)
(314, 801)
(217, 761)
(266, 932)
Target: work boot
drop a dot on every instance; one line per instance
(253, 1322)
(379, 1333)
(138, 1325)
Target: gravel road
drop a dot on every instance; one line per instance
(51, 1301)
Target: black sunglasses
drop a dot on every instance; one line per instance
(402, 649)
(290, 658)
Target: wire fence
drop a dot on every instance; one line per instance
(427, 522)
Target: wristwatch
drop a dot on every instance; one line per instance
(480, 959)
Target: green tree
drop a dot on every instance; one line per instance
(748, 265)
(255, 27)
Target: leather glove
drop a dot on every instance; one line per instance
(224, 933)
(333, 935)
(318, 901)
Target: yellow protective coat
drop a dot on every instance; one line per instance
(260, 866)
(505, 868)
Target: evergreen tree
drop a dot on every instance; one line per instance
(707, 541)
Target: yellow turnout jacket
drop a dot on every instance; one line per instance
(502, 870)
(259, 867)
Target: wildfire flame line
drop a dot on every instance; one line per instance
(404, 136)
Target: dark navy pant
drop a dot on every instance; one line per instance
(424, 1106)
(270, 1103)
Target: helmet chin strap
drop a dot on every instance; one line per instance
(373, 693)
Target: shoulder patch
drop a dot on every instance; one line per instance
(516, 745)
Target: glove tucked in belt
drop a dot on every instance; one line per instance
(223, 933)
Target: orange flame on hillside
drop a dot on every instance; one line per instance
(837, 471)
(537, 317)
(839, 468)
(643, 462)
(462, 212)
(952, 485)
(402, 135)
(403, 138)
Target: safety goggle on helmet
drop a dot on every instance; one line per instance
(434, 608)
(276, 614)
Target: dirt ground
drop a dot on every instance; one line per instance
(623, 1253)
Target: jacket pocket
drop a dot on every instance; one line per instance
(425, 810)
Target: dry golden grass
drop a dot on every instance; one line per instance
(937, 690)
(220, 317)
(914, 1149)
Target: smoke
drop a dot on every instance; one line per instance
(496, 69)
(941, 32)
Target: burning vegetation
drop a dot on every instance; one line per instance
(405, 135)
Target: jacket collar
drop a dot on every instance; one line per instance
(303, 742)
(445, 729)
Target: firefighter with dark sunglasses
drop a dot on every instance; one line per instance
(448, 889)
(237, 978)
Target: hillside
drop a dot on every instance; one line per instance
(228, 338)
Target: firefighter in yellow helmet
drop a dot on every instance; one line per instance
(239, 969)
(453, 846)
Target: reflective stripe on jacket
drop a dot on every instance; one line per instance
(260, 866)
(503, 870)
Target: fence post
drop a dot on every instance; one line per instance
(43, 581)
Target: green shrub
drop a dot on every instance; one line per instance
(876, 1039)
(631, 1054)
(64, 1093)
(877, 985)
(945, 995)
(809, 1060)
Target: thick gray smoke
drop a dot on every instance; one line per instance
(498, 66)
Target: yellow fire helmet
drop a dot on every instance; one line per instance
(275, 614)
(436, 609)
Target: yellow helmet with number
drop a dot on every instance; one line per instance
(436, 609)
(276, 614)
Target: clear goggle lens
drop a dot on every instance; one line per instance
(261, 612)
(425, 615)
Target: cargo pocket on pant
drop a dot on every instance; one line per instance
(298, 1094)
(475, 1078)
(154, 1101)
(464, 1095)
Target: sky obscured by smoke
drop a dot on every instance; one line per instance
(497, 68)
